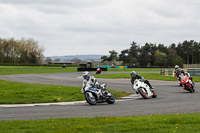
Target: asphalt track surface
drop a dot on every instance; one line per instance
(171, 99)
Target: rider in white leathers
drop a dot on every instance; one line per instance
(89, 82)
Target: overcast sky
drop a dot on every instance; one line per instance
(74, 27)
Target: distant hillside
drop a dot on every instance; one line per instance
(81, 57)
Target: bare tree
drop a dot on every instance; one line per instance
(20, 51)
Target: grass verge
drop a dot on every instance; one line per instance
(151, 76)
(46, 69)
(172, 123)
(134, 69)
(21, 93)
(34, 69)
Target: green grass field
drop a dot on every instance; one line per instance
(155, 76)
(13, 93)
(46, 69)
(149, 76)
(177, 123)
(133, 69)
(34, 69)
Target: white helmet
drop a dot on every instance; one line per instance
(176, 67)
(86, 75)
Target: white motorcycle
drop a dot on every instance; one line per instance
(143, 89)
(94, 95)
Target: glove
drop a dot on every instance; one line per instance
(82, 90)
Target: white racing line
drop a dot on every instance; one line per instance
(127, 98)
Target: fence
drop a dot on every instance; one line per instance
(194, 72)
(167, 71)
(191, 66)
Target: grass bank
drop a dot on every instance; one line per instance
(134, 69)
(179, 123)
(154, 76)
(34, 69)
(48, 69)
(20, 93)
(151, 76)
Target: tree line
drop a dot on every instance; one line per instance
(187, 52)
(20, 51)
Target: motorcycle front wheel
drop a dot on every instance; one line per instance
(191, 89)
(90, 98)
(111, 100)
(154, 94)
(144, 94)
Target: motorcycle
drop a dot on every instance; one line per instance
(187, 83)
(94, 95)
(98, 71)
(143, 89)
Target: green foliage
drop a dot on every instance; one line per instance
(20, 51)
(176, 61)
(172, 123)
(160, 58)
(13, 92)
(112, 58)
(186, 52)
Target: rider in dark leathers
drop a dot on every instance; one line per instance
(135, 76)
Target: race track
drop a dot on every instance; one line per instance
(171, 99)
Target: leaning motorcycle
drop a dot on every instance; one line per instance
(94, 95)
(187, 84)
(143, 89)
(98, 71)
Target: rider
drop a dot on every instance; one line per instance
(177, 71)
(135, 76)
(98, 70)
(89, 81)
(185, 74)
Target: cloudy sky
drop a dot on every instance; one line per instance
(74, 27)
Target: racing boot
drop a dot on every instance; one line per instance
(152, 89)
(154, 93)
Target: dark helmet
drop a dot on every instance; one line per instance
(133, 74)
(86, 75)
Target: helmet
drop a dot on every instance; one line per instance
(133, 73)
(86, 75)
(176, 67)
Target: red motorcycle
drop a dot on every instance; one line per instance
(187, 84)
(98, 71)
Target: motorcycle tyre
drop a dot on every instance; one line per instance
(88, 99)
(111, 100)
(190, 89)
(154, 95)
(143, 94)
